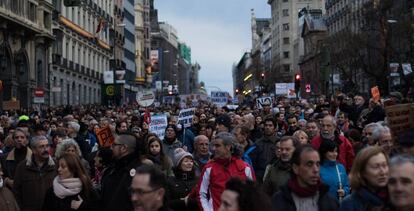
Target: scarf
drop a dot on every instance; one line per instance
(66, 187)
(293, 184)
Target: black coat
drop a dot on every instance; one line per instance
(54, 203)
(283, 200)
(115, 183)
(179, 187)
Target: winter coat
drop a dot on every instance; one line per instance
(329, 176)
(179, 187)
(346, 151)
(170, 147)
(7, 200)
(54, 203)
(362, 200)
(213, 181)
(187, 138)
(31, 183)
(276, 176)
(283, 200)
(247, 152)
(115, 183)
(263, 155)
(9, 163)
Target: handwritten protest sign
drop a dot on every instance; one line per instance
(375, 93)
(105, 137)
(186, 117)
(158, 125)
(263, 101)
(400, 118)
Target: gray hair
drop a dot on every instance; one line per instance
(230, 139)
(198, 138)
(377, 132)
(36, 139)
(401, 159)
(332, 119)
(64, 145)
(302, 121)
(374, 124)
(74, 125)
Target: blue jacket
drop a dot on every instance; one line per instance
(361, 200)
(329, 176)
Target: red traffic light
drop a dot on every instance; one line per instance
(237, 90)
(263, 75)
(297, 77)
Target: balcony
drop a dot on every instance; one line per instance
(87, 71)
(65, 62)
(56, 59)
(82, 69)
(77, 67)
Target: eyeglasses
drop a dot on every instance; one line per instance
(140, 192)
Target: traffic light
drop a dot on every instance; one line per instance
(237, 91)
(297, 82)
(262, 76)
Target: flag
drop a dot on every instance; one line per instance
(101, 25)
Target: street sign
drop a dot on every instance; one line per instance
(110, 90)
(145, 98)
(39, 92)
(38, 100)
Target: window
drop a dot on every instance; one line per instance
(286, 67)
(285, 12)
(286, 54)
(285, 27)
(285, 0)
(286, 40)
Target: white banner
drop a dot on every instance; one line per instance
(120, 76)
(219, 98)
(108, 77)
(186, 117)
(158, 125)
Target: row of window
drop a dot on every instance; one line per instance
(83, 55)
(69, 94)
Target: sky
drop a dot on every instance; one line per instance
(218, 32)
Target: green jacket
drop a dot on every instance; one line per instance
(277, 174)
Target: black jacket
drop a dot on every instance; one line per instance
(115, 183)
(54, 203)
(283, 200)
(179, 187)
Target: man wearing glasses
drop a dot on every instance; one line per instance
(34, 176)
(117, 178)
(148, 189)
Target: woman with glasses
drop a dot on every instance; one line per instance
(368, 179)
(72, 188)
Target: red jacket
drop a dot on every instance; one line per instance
(213, 180)
(346, 151)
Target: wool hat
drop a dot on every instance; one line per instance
(173, 127)
(179, 155)
(224, 119)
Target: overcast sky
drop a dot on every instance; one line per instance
(218, 32)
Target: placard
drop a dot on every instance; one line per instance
(400, 118)
(105, 137)
(375, 94)
(263, 101)
(158, 125)
(186, 117)
(11, 105)
(219, 98)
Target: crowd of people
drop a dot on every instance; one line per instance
(336, 154)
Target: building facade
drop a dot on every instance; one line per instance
(285, 30)
(81, 52)
(26, 38)
(130, 88)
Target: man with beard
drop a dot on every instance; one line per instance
(265, 148)
(20, 152)
(34, 176)
(293, 125)
(346, 152)
(278, 173)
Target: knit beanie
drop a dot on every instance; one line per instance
(173, 127)
(179, 155)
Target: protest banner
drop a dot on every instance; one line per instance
(105, 137)
(158, 125)
(400, 118)
(186, 117)
(375, 94)
(11, 105)
(263, 101)
(219, 98)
